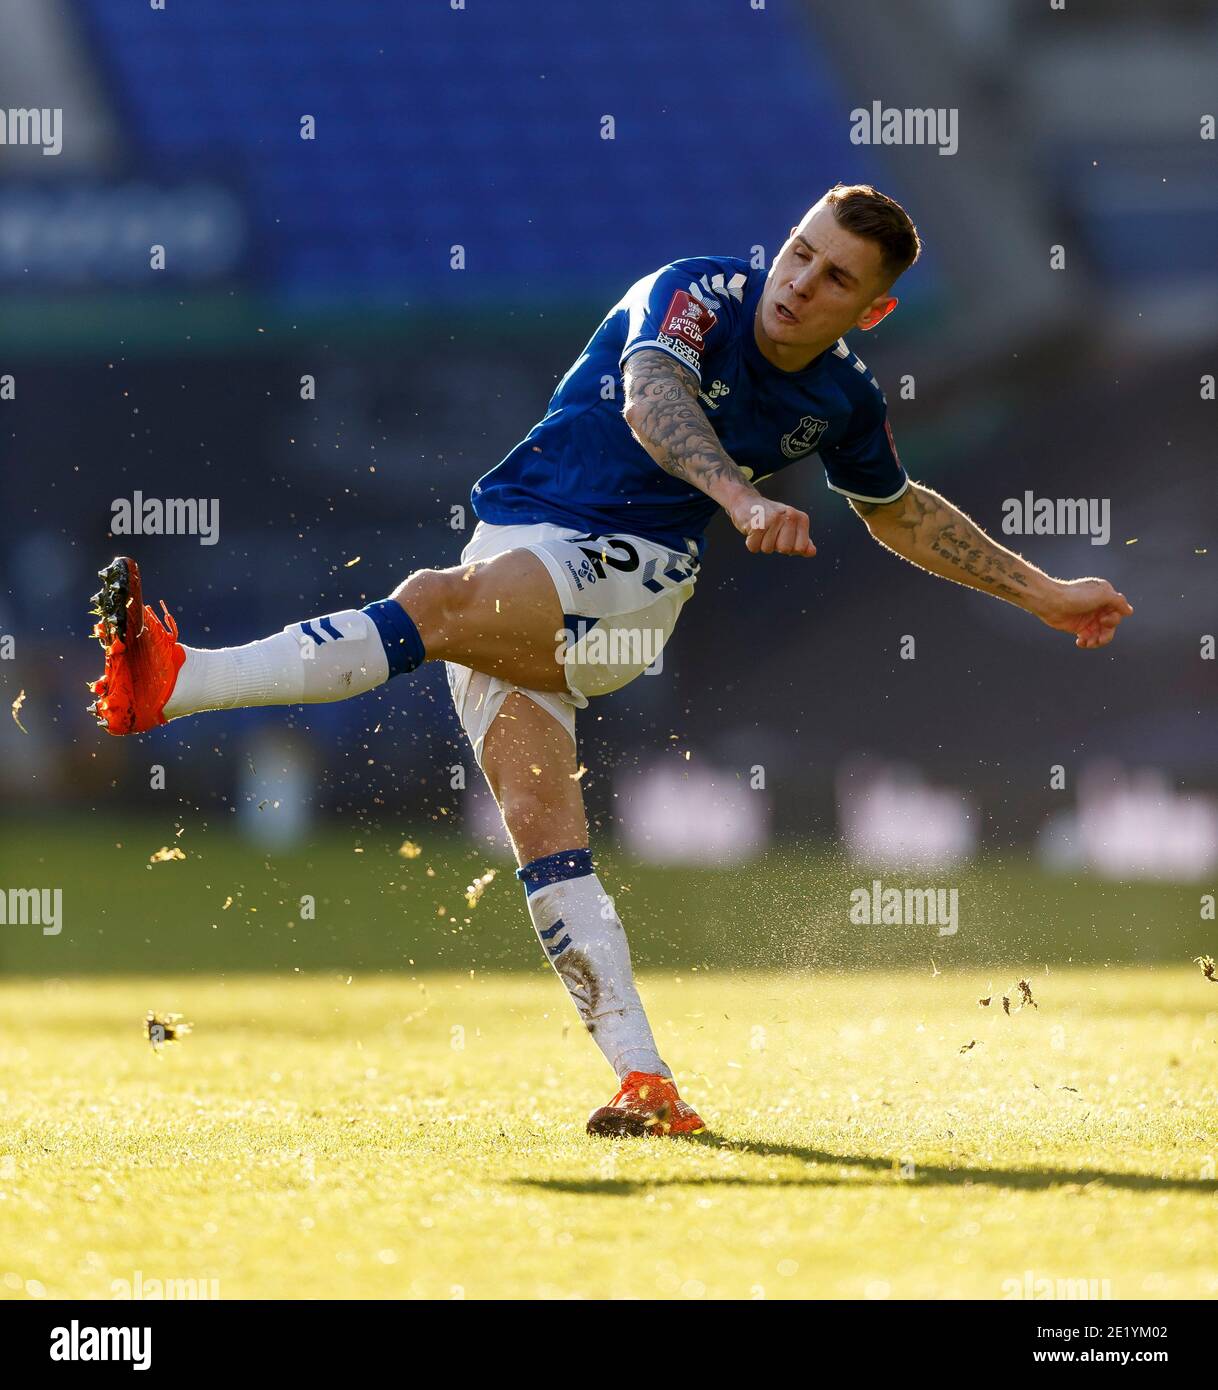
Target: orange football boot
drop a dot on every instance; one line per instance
(645, 1105)
(143, 656)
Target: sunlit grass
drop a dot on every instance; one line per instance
(397, 1136)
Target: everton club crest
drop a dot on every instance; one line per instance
(804, 437)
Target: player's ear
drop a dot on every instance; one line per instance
(877, 311)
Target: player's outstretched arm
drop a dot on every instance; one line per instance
(663, 413)
(930, 532)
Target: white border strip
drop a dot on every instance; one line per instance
(858, 496)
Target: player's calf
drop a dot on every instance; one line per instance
(323, 659)
(529, 761)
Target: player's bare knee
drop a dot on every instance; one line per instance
(433, 600)
(420, 593)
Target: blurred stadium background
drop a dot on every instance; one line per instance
(480, 128)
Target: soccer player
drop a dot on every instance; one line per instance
(705, 378)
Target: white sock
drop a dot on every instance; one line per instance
(585, 942)
(330, 658)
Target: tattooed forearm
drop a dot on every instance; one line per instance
(927, 530)
(663, 412)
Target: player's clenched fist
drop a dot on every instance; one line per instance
(771, 528)
(1090, 608)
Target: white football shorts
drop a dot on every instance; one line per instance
(620, 596)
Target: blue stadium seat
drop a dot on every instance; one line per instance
(482, 126)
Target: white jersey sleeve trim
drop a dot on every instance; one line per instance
(659, 347)
(860, 497)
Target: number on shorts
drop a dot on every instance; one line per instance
(600, 558)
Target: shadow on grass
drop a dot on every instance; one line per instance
(878, 1170)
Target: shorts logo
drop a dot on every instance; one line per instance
(583, 574)
(804, 437)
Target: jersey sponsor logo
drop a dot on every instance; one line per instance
(688, 319)
(715, 393)
(804, 437)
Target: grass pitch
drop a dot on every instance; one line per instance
(876, 1136)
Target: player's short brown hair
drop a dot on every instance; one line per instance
(867, 212)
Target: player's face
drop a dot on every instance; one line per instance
(825, 281)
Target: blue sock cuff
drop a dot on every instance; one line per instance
(399, 636)
(554, 868)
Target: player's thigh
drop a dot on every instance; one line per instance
(530, 763)
(499, 615)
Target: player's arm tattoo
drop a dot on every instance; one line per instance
(929, 531)
(662, 410)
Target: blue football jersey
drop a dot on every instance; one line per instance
(580, 466)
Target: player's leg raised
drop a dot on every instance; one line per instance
(500, 616)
